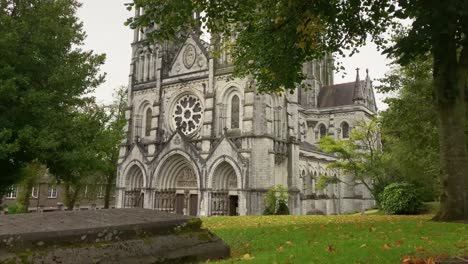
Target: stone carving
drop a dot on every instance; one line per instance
(177, 140)
(189, 56)
(232, 182)
(188, 114)
(187, 179)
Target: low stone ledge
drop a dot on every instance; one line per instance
(106, 236)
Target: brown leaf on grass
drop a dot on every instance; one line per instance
(398, 243)
(406, 260)
(419, 248)
(386, 247)
(330, 248)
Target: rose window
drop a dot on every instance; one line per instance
(188, 114)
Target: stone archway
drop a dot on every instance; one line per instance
(224, 197)
(177, 186)
(134, 183)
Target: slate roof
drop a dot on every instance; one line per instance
(307, 146)
(337, 95)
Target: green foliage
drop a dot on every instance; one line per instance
(409, 127)
(276, 201)
(110, 138)
(44, 74)
(361, 156)
(17, 209)
(31, 173)
(270, 33)
(401, 198)
(324, 181)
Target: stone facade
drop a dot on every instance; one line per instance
(200, 142)
(48, 196)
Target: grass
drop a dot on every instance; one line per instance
(337, 239)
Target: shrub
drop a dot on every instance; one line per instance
(276, 201)
(401, 198)
(16, 209)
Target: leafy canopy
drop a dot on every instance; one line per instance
(43, 74)
(361, 156)
(271, 34)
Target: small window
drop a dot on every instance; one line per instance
(35, 192)
(235, 112)
(12, 193)
(322, 130)
(149, 116)
(101, 192)
(52, 192)
(345, 130)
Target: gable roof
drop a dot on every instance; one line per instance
(337, 95)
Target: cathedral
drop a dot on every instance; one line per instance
(200, 142)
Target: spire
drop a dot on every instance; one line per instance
(358, 98)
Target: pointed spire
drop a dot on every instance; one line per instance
(358, 98)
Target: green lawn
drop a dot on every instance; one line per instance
(337, 239)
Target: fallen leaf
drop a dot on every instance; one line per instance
(406, 260)
(289, 243)
(281, 249)
(322, 227)
(372, 229)
(386, 247)
(330, 248)
(363, 246)
(247, 257)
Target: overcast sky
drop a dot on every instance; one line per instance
(103, 22)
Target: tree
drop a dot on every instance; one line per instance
(31, 174)
(276, 201)
(111, 137)
(76, 157)
(274, 33)
(360, 156)
(409, 127)
(43, 73)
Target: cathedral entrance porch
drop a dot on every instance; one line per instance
(133, 196)
(177, 187)
(224, 197)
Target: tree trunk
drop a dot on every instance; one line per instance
(449, 86)
(108, 191)
(71, 195)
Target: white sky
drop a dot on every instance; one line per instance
(103, 22)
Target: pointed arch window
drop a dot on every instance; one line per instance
(148, 117)
(235, 109)
(322, 130)
(345, 130)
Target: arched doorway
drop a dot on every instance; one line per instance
(133, 194)
(176, 186)
(224, 197)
